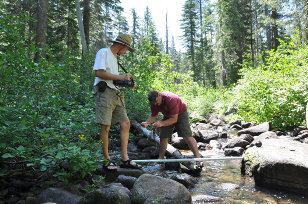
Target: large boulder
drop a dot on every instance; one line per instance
(115, 193)
(154, 189)
(56, 195)
(279, 163)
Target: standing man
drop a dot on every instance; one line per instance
(175, 117)
(110, 108)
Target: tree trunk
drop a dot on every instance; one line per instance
(167, 50)
(81, 28)
(41, 29)
(275, 29)
(86, 21)
(268, 31)
(223, 68)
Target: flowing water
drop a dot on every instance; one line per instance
(223, 179)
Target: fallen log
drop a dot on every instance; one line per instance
(170, 149)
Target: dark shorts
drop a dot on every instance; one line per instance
(182, 127)
(109, 107)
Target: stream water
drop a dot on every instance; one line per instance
(223, 179)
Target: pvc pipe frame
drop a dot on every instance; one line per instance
(187, 159)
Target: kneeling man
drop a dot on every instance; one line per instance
(175, 117)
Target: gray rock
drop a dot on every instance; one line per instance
(112, 194)
(144, 142)
(56, 195)
(208, 135)
(256, 130)
(236, 151)
(154, 189)
(301, 135)
(237, 122)
(246, 124)
(178, 142)
(185, 179)
(247, 137)
(237, 142)
(236, 127)
(280, 163)
(127, 181)
(216, 122)
(132, 147)
(203, 126)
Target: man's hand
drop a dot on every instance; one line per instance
(145, 124)
(126, 76)
(134, 85)
(158, 124)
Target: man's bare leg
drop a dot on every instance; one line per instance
(104, 140)
(192, 144)
(162, 147)
(124, 136)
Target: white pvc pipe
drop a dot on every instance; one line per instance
(187, 159)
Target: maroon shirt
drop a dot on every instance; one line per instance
(171, 105)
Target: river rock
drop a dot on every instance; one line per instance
(280, 163)
(56, 195)
(154, 189)
(236, 151)
(115, 193)
(301, 135)
(256, 130)
(127, 181)
(237, 142)
(208, 135)
(216, 122)
(178, 142)
(204, 126)
(247, 137)
(185, 179)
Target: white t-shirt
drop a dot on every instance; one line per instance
(106, 60)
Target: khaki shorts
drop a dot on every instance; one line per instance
(182, 127)
(109, 107)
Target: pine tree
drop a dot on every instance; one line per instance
(189, 26)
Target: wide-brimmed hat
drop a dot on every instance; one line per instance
(124, 39)
(152, 97)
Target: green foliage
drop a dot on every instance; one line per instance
(276, 91)
(95, 184)
(42, 102)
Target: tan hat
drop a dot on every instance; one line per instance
(124, 39)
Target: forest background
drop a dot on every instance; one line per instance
(245, 57)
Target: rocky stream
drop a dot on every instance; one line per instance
(274, 169)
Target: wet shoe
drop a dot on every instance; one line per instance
(130, 164)
(199, 165)
(110, 166)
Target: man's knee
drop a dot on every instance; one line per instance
(105, 128)
(189, 139)
(125, 125)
